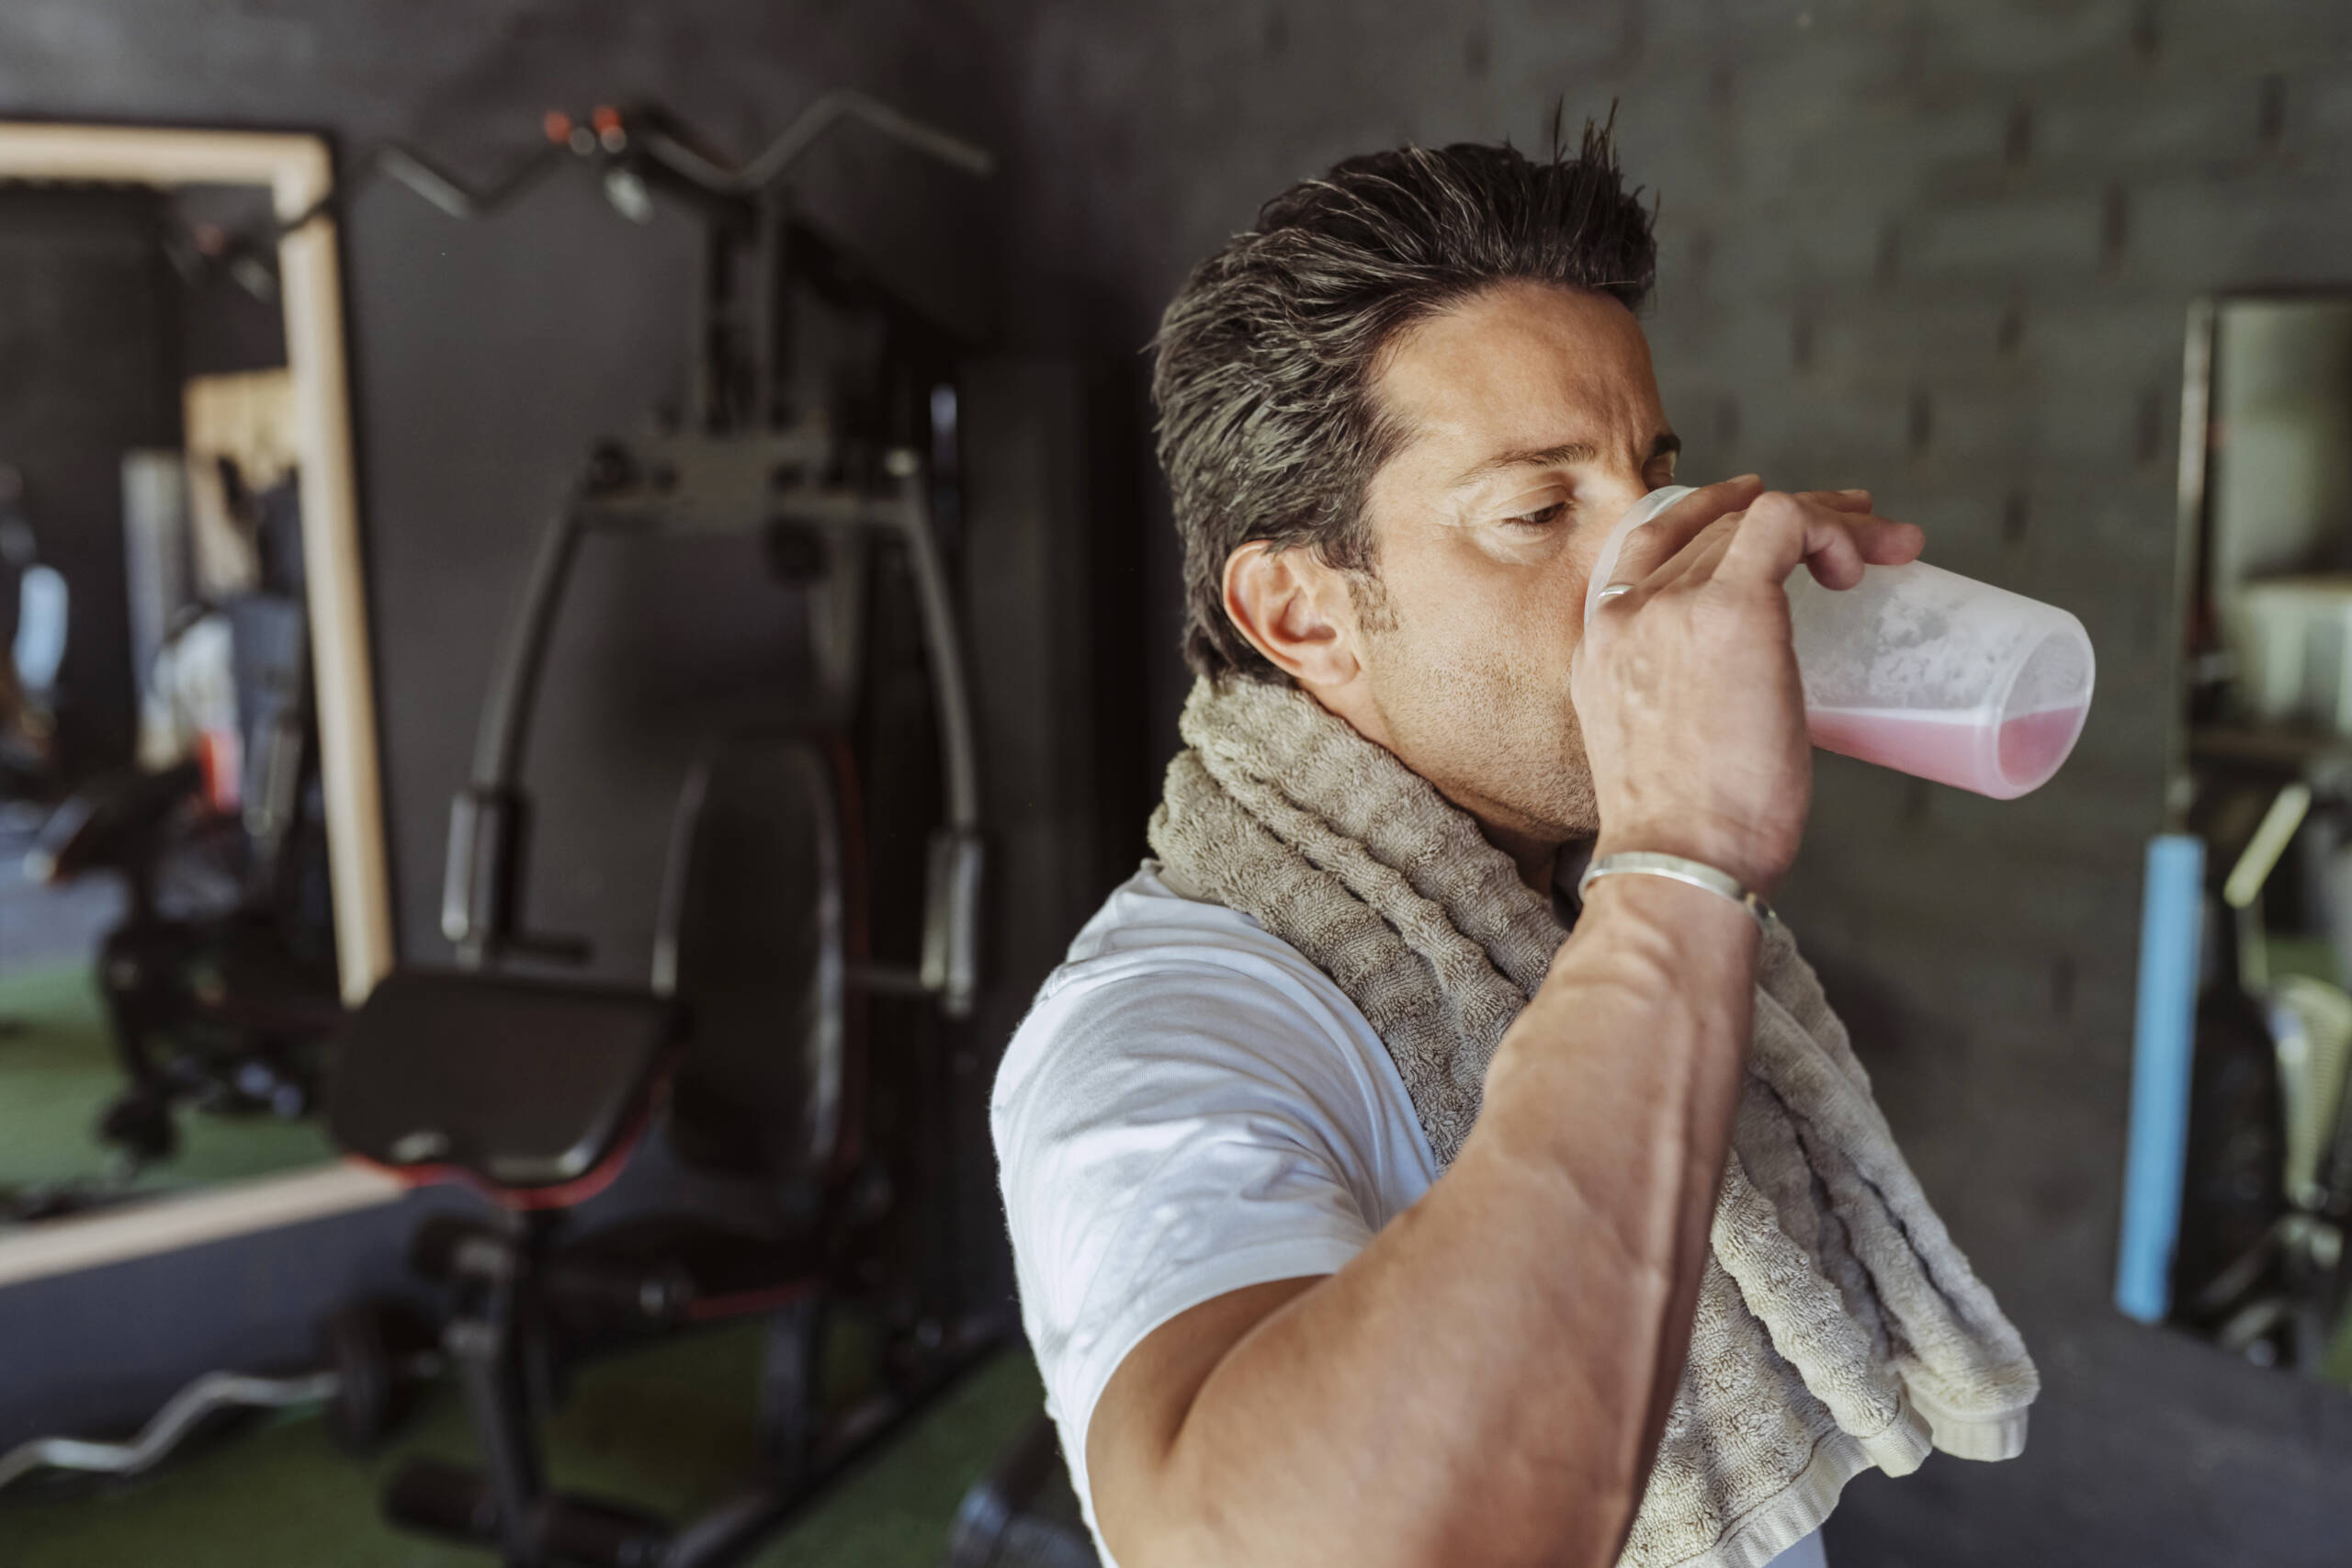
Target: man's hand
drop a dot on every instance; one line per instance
(1687, 687)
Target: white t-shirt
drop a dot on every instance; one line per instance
(1191, 1107)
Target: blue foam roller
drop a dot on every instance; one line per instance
(2164, 1039)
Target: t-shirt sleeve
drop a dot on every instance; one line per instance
(1163, 1139)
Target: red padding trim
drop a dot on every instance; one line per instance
(706, 1308)
(562, 1195)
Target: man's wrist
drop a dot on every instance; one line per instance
(1651, 937)
(1725, 851)
(1679, 869)
(1674, 909)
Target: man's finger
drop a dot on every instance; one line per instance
(1838, 500)
(1832, 532)
(1696, 561)
(1876, 542)
(1883, 543)
(1656, 542)
(1781, 530)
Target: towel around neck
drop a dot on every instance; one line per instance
(1838, 1327)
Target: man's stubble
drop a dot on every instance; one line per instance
(1492, 728)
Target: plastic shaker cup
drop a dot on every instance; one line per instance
(1924, 670)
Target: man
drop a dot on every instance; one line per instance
(1358, 1219)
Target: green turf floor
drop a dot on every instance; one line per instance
(668, 1428)
(57, 1073)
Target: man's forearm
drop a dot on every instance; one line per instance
(1487, 1380)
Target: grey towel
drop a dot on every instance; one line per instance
(1837, 1326)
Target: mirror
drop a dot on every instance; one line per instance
(191, 862)
(2240, 1187)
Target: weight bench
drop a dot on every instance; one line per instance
(537, 1094)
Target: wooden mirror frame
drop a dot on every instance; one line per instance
(298, 171)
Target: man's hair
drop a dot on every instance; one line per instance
(1269, 428)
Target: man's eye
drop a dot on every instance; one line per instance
(1542, 517)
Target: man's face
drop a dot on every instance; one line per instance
(1532, 422)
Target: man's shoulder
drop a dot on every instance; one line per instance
(1146, 916)
(1175, 979)
(1153, 937)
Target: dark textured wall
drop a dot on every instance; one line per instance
(1939, 247)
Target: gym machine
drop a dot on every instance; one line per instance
(747, 1046)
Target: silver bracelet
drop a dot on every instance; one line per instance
(1674, 868)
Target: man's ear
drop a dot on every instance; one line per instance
(1296, 609)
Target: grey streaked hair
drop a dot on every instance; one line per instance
(1268, 425)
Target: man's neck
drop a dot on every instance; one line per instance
(1536, 855)
(1538, 859)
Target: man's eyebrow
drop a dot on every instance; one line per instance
(1565, 452)
(1536, 457)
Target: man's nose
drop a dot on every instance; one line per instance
(1618, 487)
(1613, 492)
